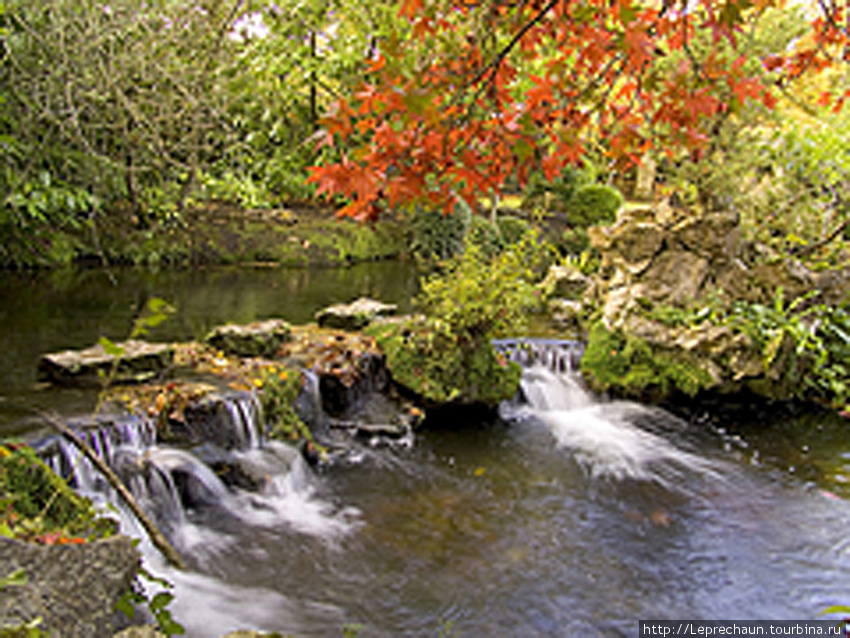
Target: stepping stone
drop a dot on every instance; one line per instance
(139, 362)
(257, 339)
(355, 315)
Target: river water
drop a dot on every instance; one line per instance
(571, 515)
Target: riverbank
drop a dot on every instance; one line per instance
(212, 233)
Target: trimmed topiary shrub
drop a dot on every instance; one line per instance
(484, 234)
(513, 229)
(593, 204)
(436, 234)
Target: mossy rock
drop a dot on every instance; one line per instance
(629, 366)
(257, 339)
(355, 315)
(138, 362)
(35, 501)
(429, 363)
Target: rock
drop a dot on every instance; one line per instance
(257, 339)
(72, 588)
(672, 263)
(355, 315)
(565, 282)
(139, 362)
(714, 236)
(630, 244)
(675, 278)
(566, 314)
(142, 631)
(228, 420)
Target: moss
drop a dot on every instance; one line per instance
(433, 363)
(628, 365)
(593, 204)
(35, 502)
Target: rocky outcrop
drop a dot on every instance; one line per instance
(257, 339)
(660, 266)
(355, 315)
(72, 588)
(133, 362)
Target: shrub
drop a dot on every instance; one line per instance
(438, 235)
(594, 204)
(447, 355)
(485, 234)
(513, 229)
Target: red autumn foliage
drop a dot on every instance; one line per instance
(452, 110)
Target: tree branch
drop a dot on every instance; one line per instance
(157, 537)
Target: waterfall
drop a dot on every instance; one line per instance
(615, 440)
(255, 481)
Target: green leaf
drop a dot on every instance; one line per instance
(125, 605)
(111, 348)
(17, 578)
(160, 601)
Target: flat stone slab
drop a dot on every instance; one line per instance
(139, 362)
(257, 339)
(355, 315)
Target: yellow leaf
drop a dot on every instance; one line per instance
(479, 471)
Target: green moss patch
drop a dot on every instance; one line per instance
(629, 366)
(429, 360)
(37, 505)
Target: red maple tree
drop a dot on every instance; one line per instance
(476, 93)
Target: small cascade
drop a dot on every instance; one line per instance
(613, 439)
(557, 355)
(246, 418)
(550, 379)
(235, 472)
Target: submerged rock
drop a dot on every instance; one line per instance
(72, 588)
(257, 339)
(355, 315)
(138, 362)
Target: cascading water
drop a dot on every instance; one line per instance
(192, 504)
(607, 437)
(572, 515)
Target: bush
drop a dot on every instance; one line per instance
(513, 229)
(574, 241)
(437, 235)
(559, 191)
(447, 355)
(593, 204)
(485, 234)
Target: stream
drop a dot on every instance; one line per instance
(570, 515)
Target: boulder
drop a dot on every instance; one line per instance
(138, 362)
(565, 282)
(257, 339)
(355, 315)
(72, 588)
(566, 314)
(660, 269)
